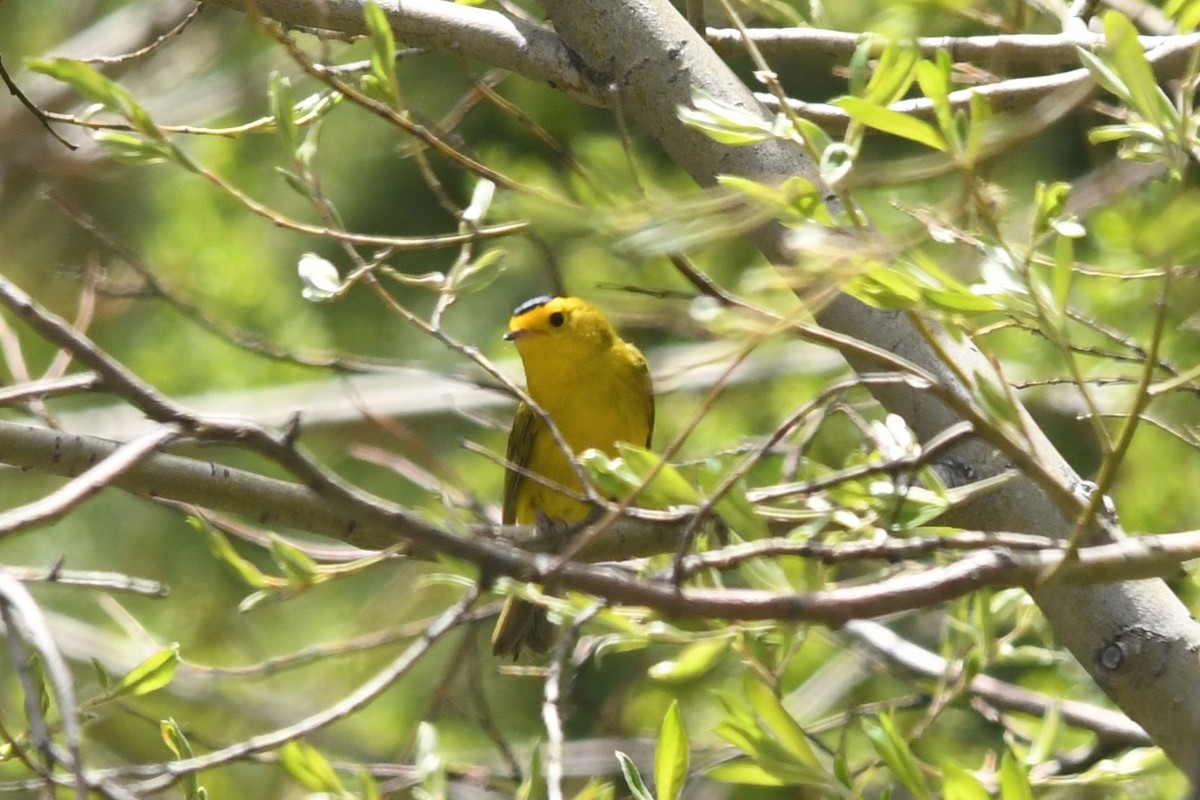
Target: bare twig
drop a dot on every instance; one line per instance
(88, 579)
(158, 42)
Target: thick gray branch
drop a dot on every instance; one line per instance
(479, 34)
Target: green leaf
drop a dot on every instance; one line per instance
(772, 713)
(383, 54)
(96, 87)
(534, 786)
(934, 80)
(814, 135)
(694, 661)
(596, 789)
(225, 552)
(996, 402)
(1014, 781)
(283, 110)
(1128, 60)
(883, 287)
(306, 764)
(296, 565)
(745, 771)
(173, 737)
(633, 778)
(479, 272)
(178, 744)
(884, 119)
(959, 301)
(1049, 203)
(133, 149)
(734, 508)
(959, 784)
(668, 487)
(898, 756)
(671, 756)
(893, 74)
(726, 124)
(152, 674)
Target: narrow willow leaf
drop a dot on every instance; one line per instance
(1014, 781)
(383, 54)
(1128, 60)
(694, 661)
(884, 119)
(633, 778)
(898, 756)
(308, 766)
(296, 565)
(671, 756)
(225, 552)
(152, 674)
(283, 110)
(96, 87)
(771, 711)
(959, 784)
(893, 75)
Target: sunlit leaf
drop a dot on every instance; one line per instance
(152, 674)
(671, 755)
(296, 565)
(1014, 781)
(693, 661)
(885, 119)
(633, 778)
(1128, 61)
(310, 768)
(383, 55)
(96, 87)
(225, 552)
(772, 713)
(959, 784)
(898, 756)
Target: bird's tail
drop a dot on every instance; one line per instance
(521, 624)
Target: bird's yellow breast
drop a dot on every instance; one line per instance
(594, 385)
(594, 408)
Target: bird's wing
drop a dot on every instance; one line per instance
(649, 405)
(520, 449)
(643, 371)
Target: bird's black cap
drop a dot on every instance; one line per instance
(532, 303)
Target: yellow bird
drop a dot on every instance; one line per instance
(596, 388)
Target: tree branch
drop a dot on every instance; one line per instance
(490, 37)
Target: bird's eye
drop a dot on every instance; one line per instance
(557, 319)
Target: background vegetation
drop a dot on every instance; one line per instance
(197, 154)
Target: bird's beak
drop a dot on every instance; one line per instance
(516, 333)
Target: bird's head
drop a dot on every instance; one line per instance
(564, 325)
